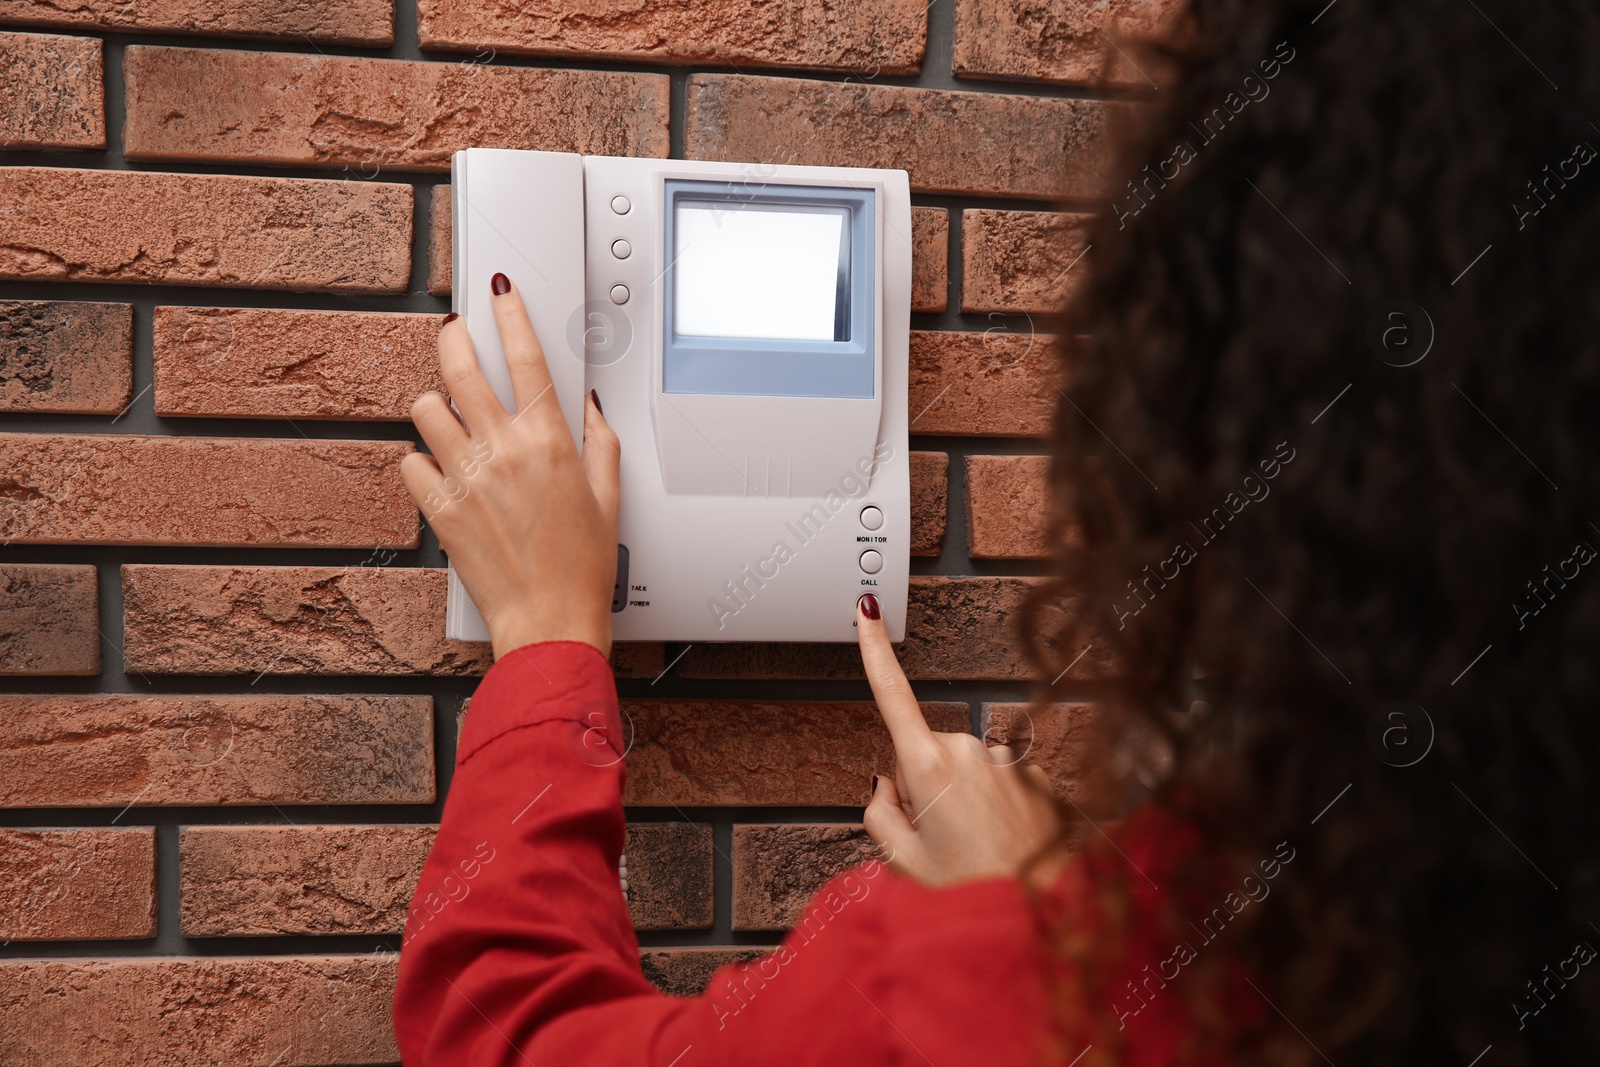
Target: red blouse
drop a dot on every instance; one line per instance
(518, 948)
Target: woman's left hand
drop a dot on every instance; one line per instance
(529, 525)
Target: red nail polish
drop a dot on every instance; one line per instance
(869, 606)
(500, 285)
(596, 398)
(450, 318)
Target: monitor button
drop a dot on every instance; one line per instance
(871, 518)
(619, 294)
(621, 249)
(871, 561)
(620, 205)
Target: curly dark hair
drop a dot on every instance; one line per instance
(1325, 473)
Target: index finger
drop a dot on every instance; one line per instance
(530, 374)
(896, 702)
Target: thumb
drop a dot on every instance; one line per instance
(602, 455)
(889, 827)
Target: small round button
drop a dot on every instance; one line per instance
(871, 561)
(871, 518)
(621, 249)
(619, 294)
(620, 205)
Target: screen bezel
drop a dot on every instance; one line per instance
(741, 366)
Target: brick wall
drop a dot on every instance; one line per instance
(228, 713)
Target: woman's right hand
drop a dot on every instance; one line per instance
(956, 810)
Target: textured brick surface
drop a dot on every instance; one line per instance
(1020, 260)
(1007, 507)
(372, 115)
(49, 615)
(980, 143)
(357, 22)
(288, 1011)
(129, 489)
(883, 37)
(684, 972)
(51, 91)
(930, 258)
(204, 229)
(776, 868)
(111, 750)
(267, 363)
(993, 384)
(1067, 43)
(744, 754)
(440, 266)
(365, 619)
(930, 245)
(65, 356)
(956, 628)
(66, 885)
(241, 880)
(669, 875)
(930, 490)
(1061, 738)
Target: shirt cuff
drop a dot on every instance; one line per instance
(548, 681)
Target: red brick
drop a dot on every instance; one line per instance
(930, 244)
(367, 619)
(244, 880)
(111, 750)
(440, 264)
(991, 384)
(1020, 260)
(1064, 739)
(972, 143)
(289, 364)
(294, 109)
(49, 615)
(743, 754)
(1064, 43)
(777, 868)
(685, 972)
(52, 92)
(354, 22)
(669, 876)
(62, 356)
(1007, 507)
(884, 37)
(77, 885)
(956, 629)
(287, 1011)
(930, 258)
(204, 229)
(129, 489)
(930, 490)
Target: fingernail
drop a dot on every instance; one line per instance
(596, 398)
(500, 285)
(869, 606)
(450, 318)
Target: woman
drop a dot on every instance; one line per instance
(1326, 496)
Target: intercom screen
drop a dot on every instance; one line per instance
(763, 271)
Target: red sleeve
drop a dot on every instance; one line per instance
(518, 948)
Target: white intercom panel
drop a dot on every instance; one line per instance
(746, 329)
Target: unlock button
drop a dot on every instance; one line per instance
(871, 561)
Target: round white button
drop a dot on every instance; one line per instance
(871, 518)
(871, 561)
(619, 294)
(621, 249)
(620, 205)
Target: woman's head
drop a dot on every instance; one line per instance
(1328, 473)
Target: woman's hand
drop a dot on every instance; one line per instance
(956, 809)
(530, 526)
